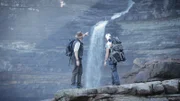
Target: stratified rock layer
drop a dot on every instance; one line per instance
(155, 70)
(34, 34)
(153, 9)
(129, 92)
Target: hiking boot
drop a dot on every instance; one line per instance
(117, 84)
(73, 84)
(79, 86)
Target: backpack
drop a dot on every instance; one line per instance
(69, 48)
(117, 54)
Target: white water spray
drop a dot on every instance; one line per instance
(95, 56)
(117, 15)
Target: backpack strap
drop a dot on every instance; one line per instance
(110, 40)
(70, 60)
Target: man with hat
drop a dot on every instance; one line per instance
(78, 53)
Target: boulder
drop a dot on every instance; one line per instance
(171, 86)
(74, 93)
(143, 89)
(107, 90)
(139, 62)
(128, 89)
(135, 98)
(153, 71)
(174, 99)
(158, 88)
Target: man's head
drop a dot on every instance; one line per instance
(108, 36)
(79, 35)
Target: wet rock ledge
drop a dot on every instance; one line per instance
(167, 90)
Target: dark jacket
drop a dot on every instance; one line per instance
(81, 48)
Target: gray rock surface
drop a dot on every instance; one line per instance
(152, 9)
(157, 70)
(34, 33)
(171, 86)
(157, 87)
(123, 92)
(143, 89)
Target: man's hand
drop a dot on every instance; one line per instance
(86, 34)
(105, 64)
(77, 63)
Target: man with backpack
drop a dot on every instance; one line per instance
(114, 54)
(75, 51)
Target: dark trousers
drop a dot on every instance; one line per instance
(114, 74)
(77, 73)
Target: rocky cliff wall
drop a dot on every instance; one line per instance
(34, 33)
(153, 9)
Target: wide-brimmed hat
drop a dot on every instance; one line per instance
(79, 35)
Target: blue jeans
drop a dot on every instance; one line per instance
(114, 74)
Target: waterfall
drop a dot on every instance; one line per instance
(93, 72)
(95, 56)
(117, 15)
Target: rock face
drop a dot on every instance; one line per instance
(33, 36)
(156, 70)
(152, 9)
(129, 92)
(34, 33)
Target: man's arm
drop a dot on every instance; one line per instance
(76, 55)
(86, 34)
(76, 49)
(107, 53)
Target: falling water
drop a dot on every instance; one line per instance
(95, 56)
(117, 15)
